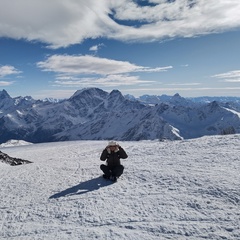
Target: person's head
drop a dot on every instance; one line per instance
(112, 145)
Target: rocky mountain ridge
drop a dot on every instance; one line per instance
(94, 114)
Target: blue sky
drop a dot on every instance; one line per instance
(54, 48)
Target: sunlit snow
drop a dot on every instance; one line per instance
(187, 189)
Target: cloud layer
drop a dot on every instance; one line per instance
(76, 70)
(60, 23)
(88, 64)
(8, 70)
(232, 76)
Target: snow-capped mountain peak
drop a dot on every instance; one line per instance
(88, 93)
(93, 113)
(4, 94)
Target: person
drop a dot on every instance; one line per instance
(113, 168)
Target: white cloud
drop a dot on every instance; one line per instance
(78, 64)
(232, 76)
(80, 71)
(8, 70)
(61, 23)
(96, 48)
(236, 80)
(109, 81)
(183, 84)
(5, 84)
(58, 23)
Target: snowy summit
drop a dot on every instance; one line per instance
(94, 114)
(187, 189)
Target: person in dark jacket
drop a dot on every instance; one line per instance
(112, 153)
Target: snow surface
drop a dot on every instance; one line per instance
(186, 189)
(13, 142)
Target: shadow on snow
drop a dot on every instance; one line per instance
(84, 187)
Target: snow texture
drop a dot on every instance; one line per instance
(187, 189)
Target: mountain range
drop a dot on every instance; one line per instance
(94, 114)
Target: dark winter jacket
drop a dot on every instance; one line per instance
(113, 158)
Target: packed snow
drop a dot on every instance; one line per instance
(187, 189)
(14, 142)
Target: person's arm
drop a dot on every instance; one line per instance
(122, 153)
(104, 154)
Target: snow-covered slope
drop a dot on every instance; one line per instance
(186, 189)
(13, 142)
(209, 119)
(125, 125)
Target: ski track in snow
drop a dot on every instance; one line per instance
(185, 189)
